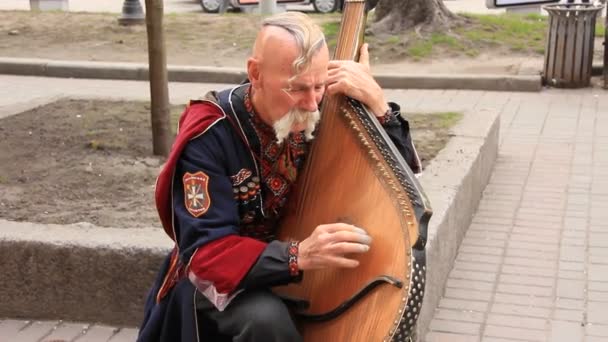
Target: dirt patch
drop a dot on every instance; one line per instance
(91, 161)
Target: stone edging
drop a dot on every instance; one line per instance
(454, 182)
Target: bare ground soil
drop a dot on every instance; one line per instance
(91, 161)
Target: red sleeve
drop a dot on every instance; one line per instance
(226, 261)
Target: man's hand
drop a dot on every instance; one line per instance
(355, 80)
(330, 245)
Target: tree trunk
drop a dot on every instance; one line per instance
(397, 16)
(159, 84)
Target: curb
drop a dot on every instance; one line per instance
(454, 181)
(78, 272)
(85, 273)
(139, 72)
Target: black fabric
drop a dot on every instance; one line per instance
(399, 132)
(253, 316)
(270, 268)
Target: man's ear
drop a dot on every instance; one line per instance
(253, 72)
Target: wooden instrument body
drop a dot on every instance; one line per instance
(354, 174)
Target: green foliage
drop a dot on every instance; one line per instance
(331, 29)
(525, 34)
(515, 32)
(422, 48)
(449, 119)
(599, 28)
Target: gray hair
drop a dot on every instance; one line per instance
(308, 35)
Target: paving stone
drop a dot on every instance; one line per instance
(599, 330)
(459, 315)
(522, 310)
(517, 271)
(565, 332)
(470, 285)
(467, 294)
(465, 328)
(35, 331)
(598, 272)
(66, 332)
(435, 336)
(98, 333)
(522, 299)
(520, 333)
(525, 289)
(573, 289)
(519, 279)
(465, 305)
(9, 328)
(517, 321)
(569, 315)
(597, 313)
(125, 335)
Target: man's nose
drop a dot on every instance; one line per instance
(309, 102)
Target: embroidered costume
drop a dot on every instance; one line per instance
(219, 197)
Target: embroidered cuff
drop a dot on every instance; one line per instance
(391, 115)
(292, 253)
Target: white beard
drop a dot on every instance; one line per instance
(284, 126)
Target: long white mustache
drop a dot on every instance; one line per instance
(283, 127)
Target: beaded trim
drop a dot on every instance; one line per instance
(292, 252)
(389, 116)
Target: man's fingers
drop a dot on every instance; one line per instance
(338, 227)
(349, 248)
(351, 236)
(334, 64)
(364, 55)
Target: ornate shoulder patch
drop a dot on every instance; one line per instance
(196, 193)
(240, 177)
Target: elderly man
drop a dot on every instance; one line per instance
(221, 192)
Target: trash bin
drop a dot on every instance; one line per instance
(569, 53)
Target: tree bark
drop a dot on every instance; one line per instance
(159, 84)
(397, 16)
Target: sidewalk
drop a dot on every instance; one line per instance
(534, 263)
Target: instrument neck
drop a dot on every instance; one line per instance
(352, 30)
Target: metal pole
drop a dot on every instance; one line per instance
(268, 7)
(132, 13)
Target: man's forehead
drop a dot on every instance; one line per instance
(315, 73)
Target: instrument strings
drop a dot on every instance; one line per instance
(348, 44)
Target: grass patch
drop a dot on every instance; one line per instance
(449, 119)
(600, 30)
(331, 29)
(431, 131)
(505, 33)
(524, 34)
(422, 48)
